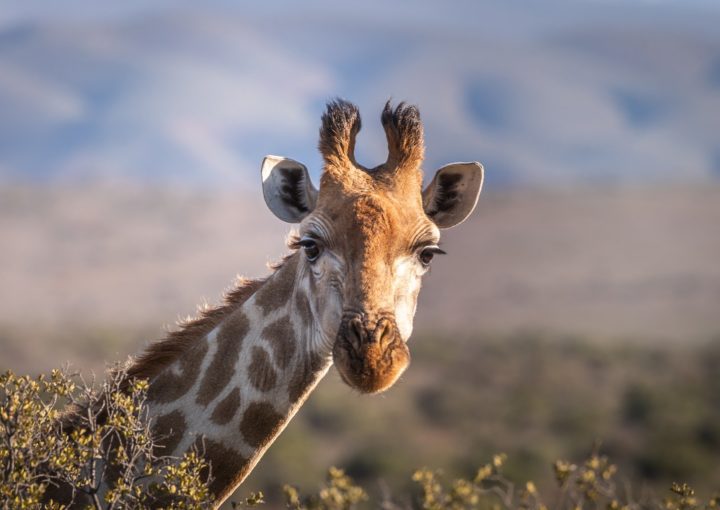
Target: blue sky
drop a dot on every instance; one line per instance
(543, 93)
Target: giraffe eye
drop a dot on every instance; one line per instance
(426, 254)
(311, 247)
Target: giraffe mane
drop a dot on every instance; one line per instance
(162, 353)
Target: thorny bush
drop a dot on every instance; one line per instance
(109, 439)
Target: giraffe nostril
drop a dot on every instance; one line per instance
(356, 332)
(384, 333)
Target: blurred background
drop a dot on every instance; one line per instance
(580, 302)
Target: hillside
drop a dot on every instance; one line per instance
(620, 264)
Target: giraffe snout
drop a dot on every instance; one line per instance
(370, 355)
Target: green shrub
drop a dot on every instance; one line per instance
(105, 436)
(589, 485)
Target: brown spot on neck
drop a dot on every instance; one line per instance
(302, 308)
(261, 372)
(226, 409)
(229, 340)
(168, 431)
(227, 468)
(305, 375)
(260, 424)
(280, 335)
(276, 292)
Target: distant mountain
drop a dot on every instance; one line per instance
(564, 94)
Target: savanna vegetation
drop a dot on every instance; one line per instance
(636, 421)
(44, 450)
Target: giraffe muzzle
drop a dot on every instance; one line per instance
(370, 355)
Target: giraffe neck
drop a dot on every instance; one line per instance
(233, 391)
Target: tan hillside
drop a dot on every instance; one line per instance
(625, 263)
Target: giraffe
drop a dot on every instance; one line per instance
(228, 382)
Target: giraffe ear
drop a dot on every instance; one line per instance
(453, 193)
(287, 188)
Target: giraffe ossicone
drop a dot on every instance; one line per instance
(228, 382)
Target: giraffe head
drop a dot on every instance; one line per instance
(368, 236)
